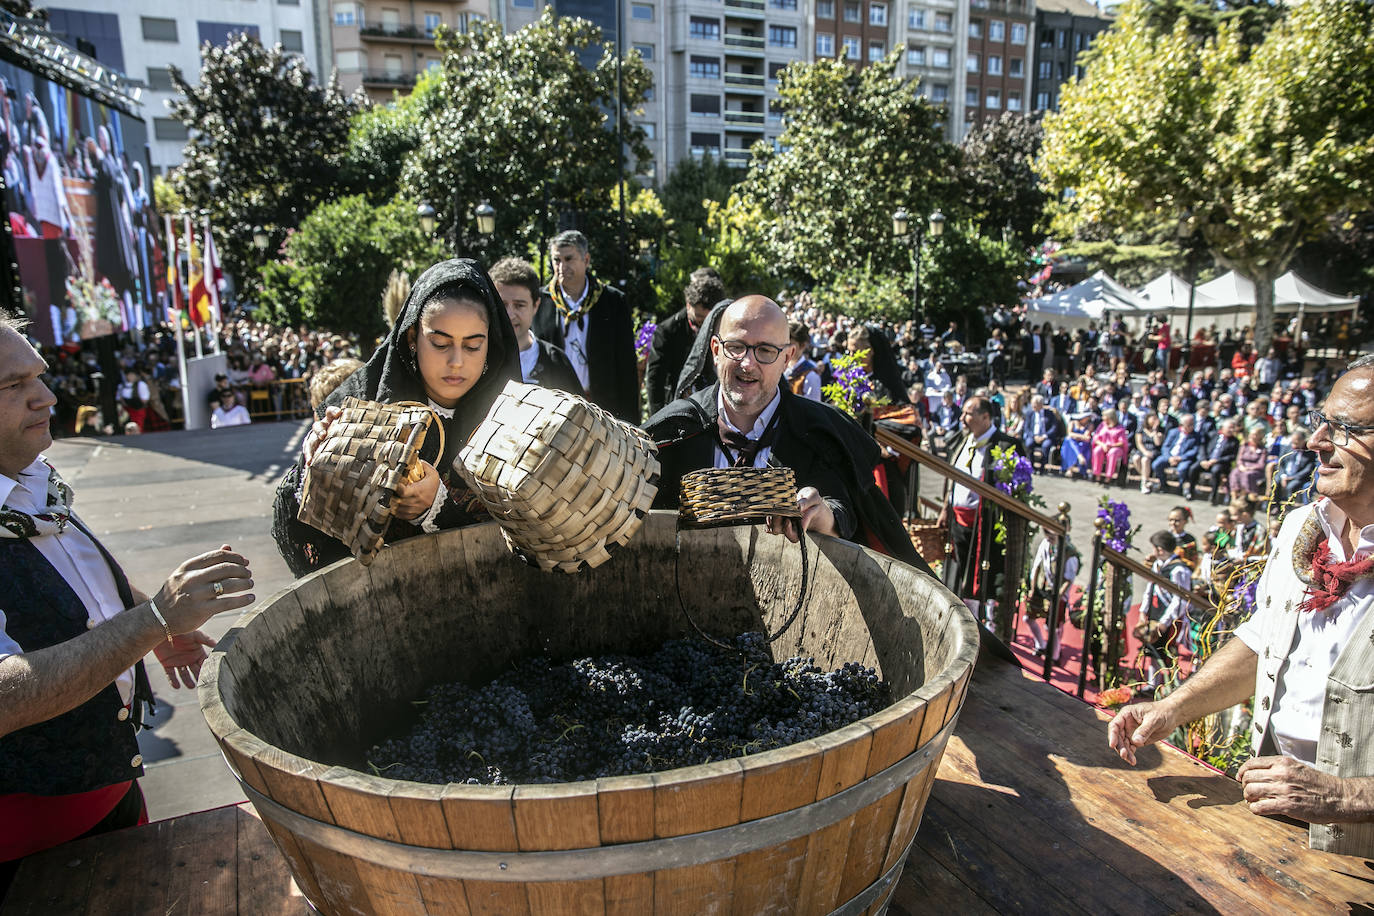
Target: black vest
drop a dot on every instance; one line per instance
(85, 748)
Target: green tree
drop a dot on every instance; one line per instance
(520, 122)
(694, 181)
(858, 146)
(266, 144)
(964, 270)
(380, 137)
(335, 266)
(1258, 144)
(730, 241)
(997, 176)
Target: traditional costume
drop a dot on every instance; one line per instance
(974, 567)
(596, 334)
(392, 375)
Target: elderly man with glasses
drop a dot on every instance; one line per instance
(1307, 652)
(748, 419)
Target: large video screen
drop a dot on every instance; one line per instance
(80, 203)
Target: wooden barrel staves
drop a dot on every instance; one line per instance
(311, 678)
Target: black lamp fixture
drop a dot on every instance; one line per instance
(486, 218)
(901, 227)
(427, 218)
(260, 238)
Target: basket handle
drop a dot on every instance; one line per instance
(414, 473)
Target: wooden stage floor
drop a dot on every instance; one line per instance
(1032, 813)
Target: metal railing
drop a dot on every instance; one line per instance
(745, 118)
(749, 42)
(750, 80)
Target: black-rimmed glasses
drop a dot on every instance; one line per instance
(764, 353)
(1340, 432)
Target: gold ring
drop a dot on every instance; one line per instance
(219, 589)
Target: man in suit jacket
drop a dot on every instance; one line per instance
(1043, 431)
(674, 336)
(972, 571)
(590, 321)
(1293, 475)
(1179, 453)
(1046, 387)
(749, 419)
(541, 363)
(1215, 461)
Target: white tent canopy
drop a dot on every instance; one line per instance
(1292, 294)
(1086, 302)
(1170, 292)
(1229, 300)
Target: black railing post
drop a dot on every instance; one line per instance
(1089, 616)
(1060, 549)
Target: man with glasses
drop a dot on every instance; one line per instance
(748, 419)
(1307, 652)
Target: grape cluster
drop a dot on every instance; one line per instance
(614, 715)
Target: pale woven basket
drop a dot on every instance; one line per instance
(567, 481)
(737, 496)
(369, 451)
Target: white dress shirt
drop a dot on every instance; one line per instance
(761, 459)
(971, 459)
(75, 557)
(575, 336)
(1321, 635)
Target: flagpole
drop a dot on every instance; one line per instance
(211, 291)
(176, 317)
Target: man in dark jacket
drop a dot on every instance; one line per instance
(674, 336)
(590, 321)
(541, 363)
(1293, 474)
(1043, 431)
(748, 419)
(1217, 459)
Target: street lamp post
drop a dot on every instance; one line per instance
(901, 224)
(1187, 236)
(484, 213)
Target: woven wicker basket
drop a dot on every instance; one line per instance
(567, 481)
(371, 449)
(930, 538)
(737, 496)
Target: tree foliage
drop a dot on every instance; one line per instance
(517, 120)
(380, 137)
(997, 176)
(1259, 145)
(731, 241)
(858, 146)
(964, 270)
(694, 181)
(336, 265)
(266, 144)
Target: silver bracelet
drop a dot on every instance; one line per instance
(152, 605)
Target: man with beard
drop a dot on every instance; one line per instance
(748, 419)
(673, 338)
(975, 565)
(1306, 653)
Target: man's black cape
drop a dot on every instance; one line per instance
(825, 448)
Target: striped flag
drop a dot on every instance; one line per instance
(174, 309)
(197, 301)
(213, 277)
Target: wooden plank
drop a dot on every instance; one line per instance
(201, 863)
(926, 886)
(480, 817)
(131, 878)
(559, 817)
(769, 880)
(264, 883)
(496, 898)
(357, 805)
(868, 844)
(625, 808)
(844, 763)
(56, 881)
(709, 801)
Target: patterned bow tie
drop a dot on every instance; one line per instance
(53, 520)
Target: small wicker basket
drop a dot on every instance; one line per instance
(930, 538)
(567, 481)
(371, 450)
(737, 496)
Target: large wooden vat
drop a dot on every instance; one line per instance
(309, 679)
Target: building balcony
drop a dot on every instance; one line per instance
(385, 78)
(401, 34)
(746, 81)
(737, 155)
(750, 44)
(747, 119)
(750, 8)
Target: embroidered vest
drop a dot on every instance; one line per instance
(85, 748)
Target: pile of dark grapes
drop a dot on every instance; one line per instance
(614, 715)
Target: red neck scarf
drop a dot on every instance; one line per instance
(1331, 580)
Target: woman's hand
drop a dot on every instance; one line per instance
(318, 431)
(414, 499)
(182, 657)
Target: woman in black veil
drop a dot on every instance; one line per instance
(452, 346)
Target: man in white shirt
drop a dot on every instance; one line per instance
(72, 635)
(1307, 651)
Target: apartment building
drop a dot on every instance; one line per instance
(143, 38)
(382, 46)
(997, 62)
(858, 30)
(932, 32)
(1064, 29)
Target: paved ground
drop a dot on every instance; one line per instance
(155, 501)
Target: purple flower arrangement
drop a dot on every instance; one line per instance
(1117, 533)
(851, 390)
(645, 338)
(1013, 474)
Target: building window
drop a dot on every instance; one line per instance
(1080, 41)
(939, 93)
(944, 22)
(432, 23)
(1045, 70)
(288, 2)
(160, 78)
(523, 4)
(1047, 38)
(642, 11)
(939, 57)
(825, 9)
(1042, 101)
(875, 51)
(707, 106)
(645, 51)
(704, 68)
(348, 61)
(852, 50)
(915, 57)
(774, 112)
(1060, 38)
(1078, 72)
(851, 12)
(347, 14)
(916, 19)
(704, 29)
(997, 30)
(994, 99)
(782, 36)
(1013, 101)
(971, 97)
(702, 143)
(783, 4)
(169, 129)
(1018, 33)
(825, 44)
(155, 29)
(1063, 71)
(975, 28)
(971, 63)
(774, 68)
(650, 129)
(994, 65)
(649, 94)
(1014, 67)
(393, 64)
(291, 40)
(877, 14)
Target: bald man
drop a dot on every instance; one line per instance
(747, 419)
